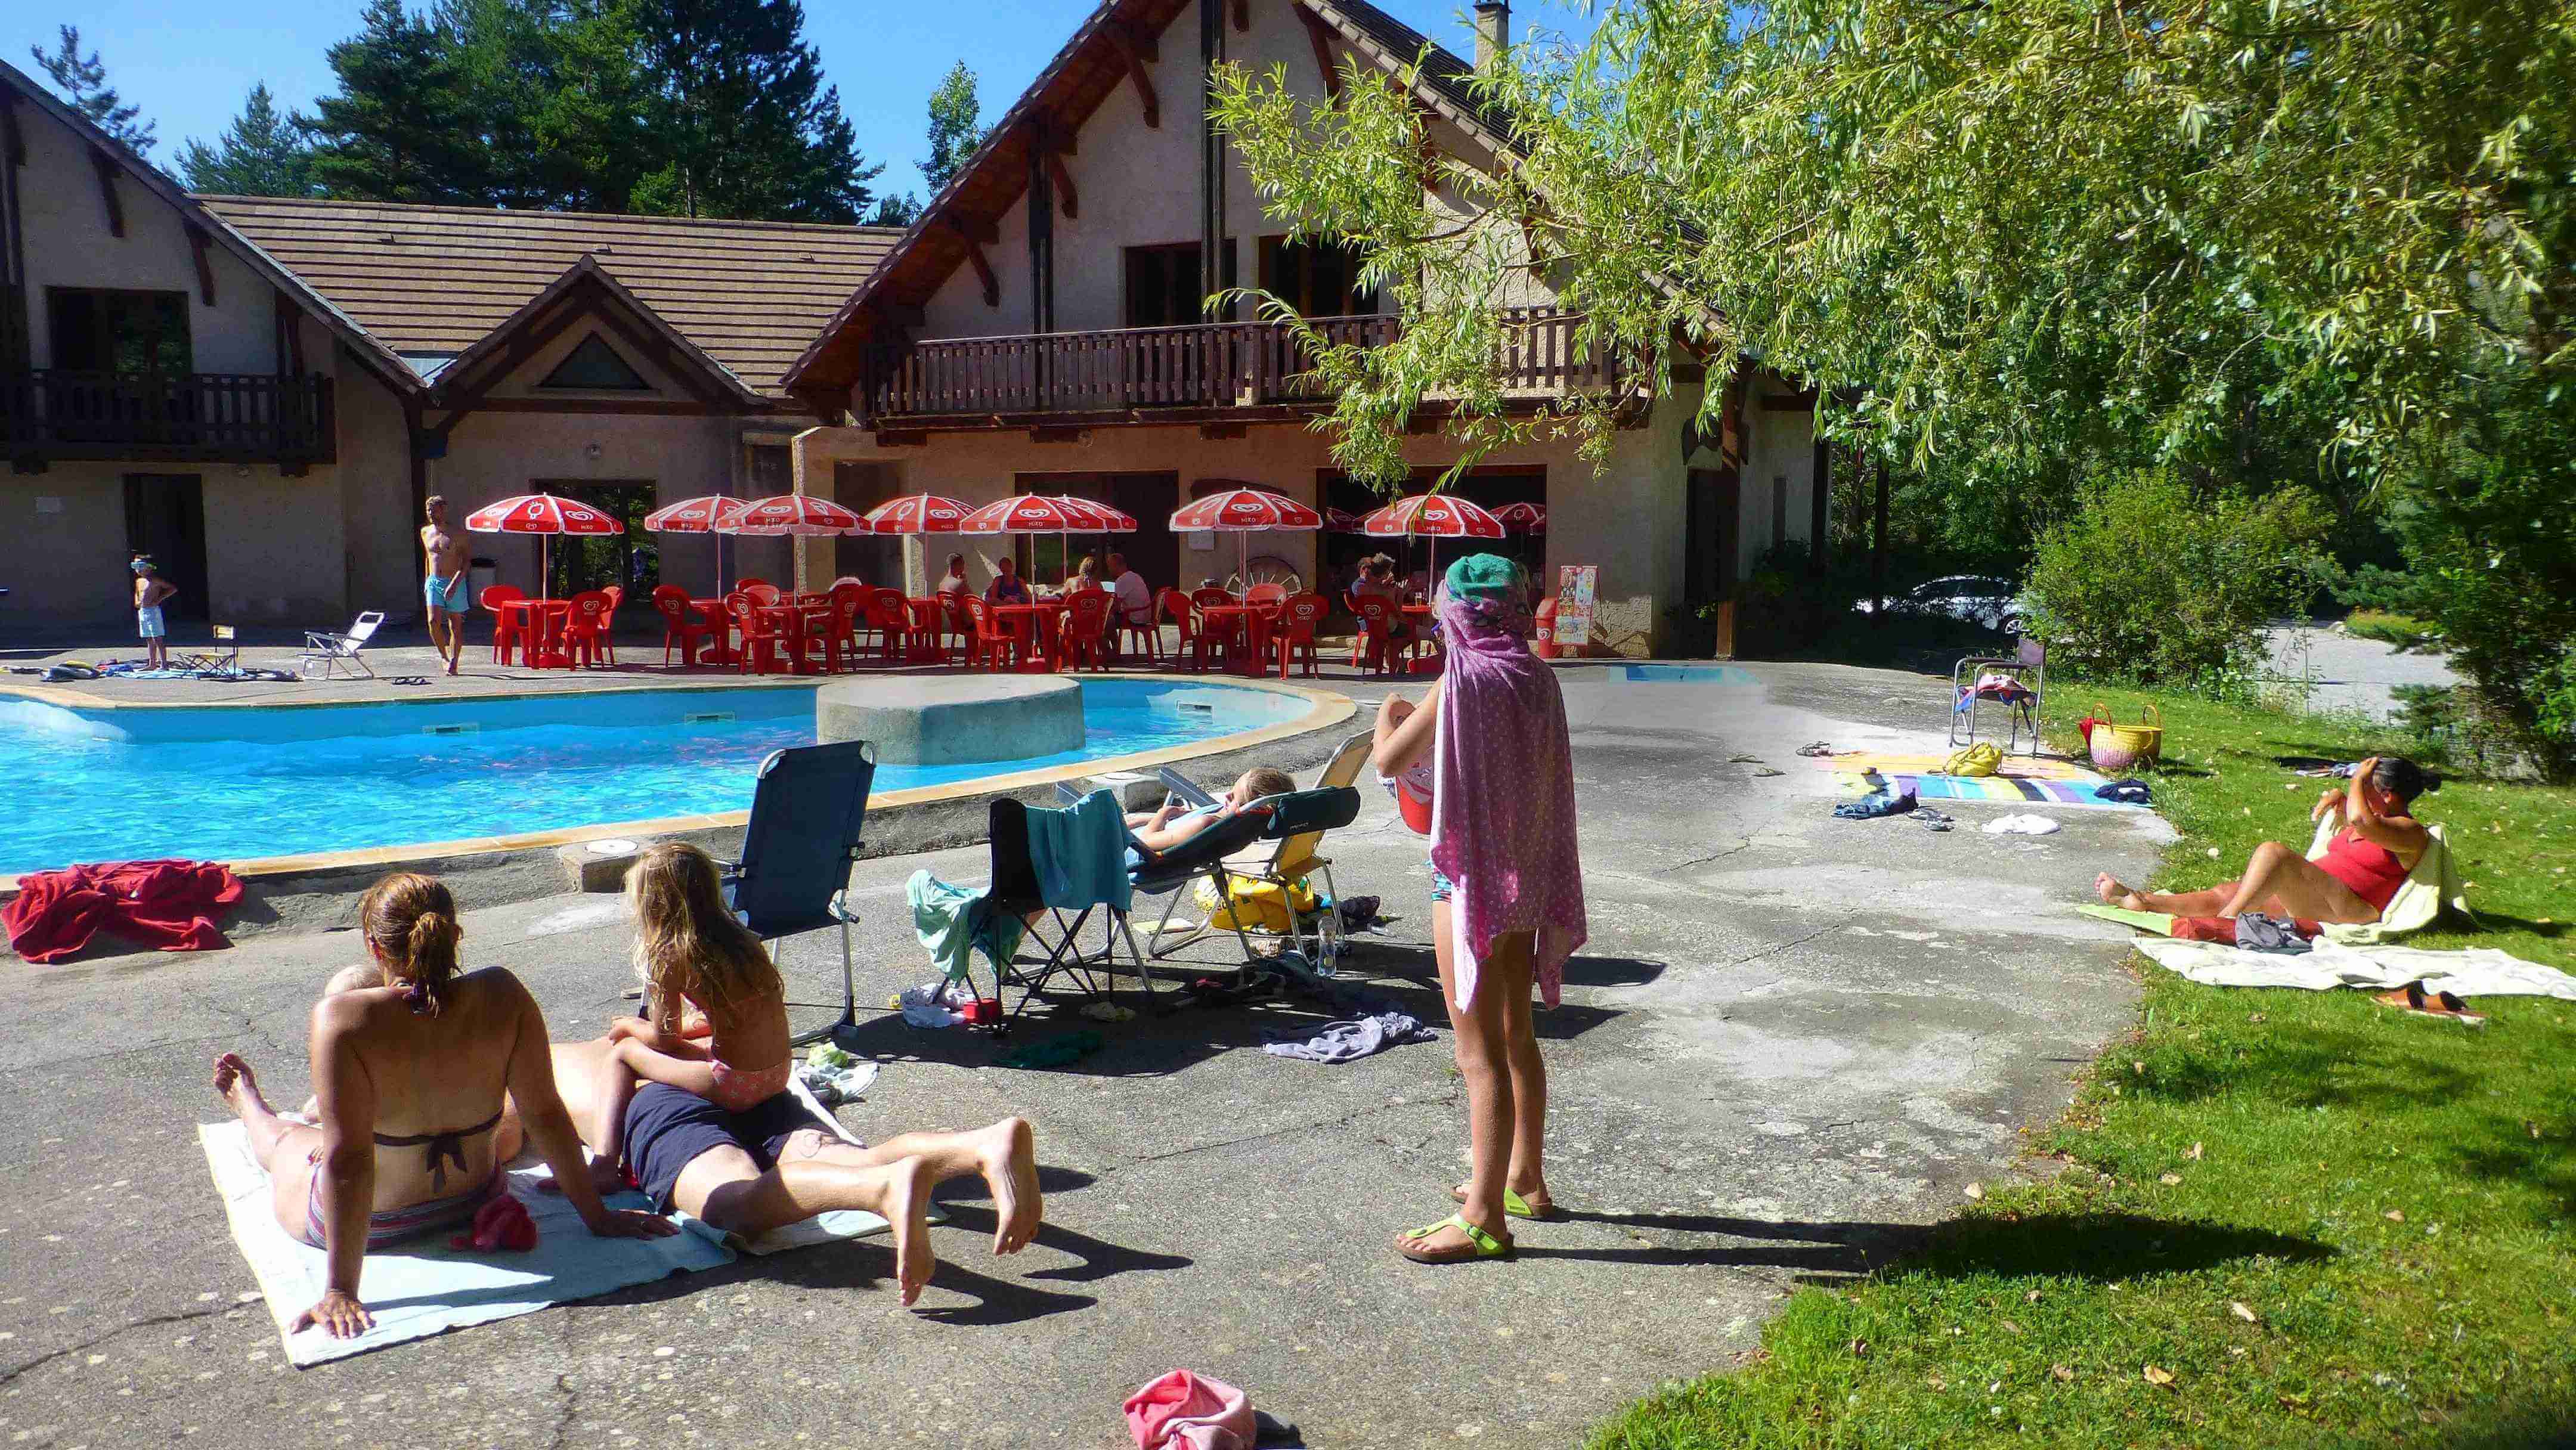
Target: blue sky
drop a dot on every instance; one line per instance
(189, 67)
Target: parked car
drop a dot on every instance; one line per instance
(1979, 599)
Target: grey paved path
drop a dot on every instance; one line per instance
(2346, 674)
(1791, 1039)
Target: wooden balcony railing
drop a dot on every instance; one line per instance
(1210, 365)
(50, 413)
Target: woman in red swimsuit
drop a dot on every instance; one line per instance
(2352, 882)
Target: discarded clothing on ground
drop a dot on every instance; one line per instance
(955, 922)
(1347, 1041)
(2021, 825)
(934, 1004)
(1185, 1411)
(168, 905)
(834, 1076)
(1876, 804)
(2132, 792)
(2475, 972)
(2278, 935)
(1055, 1051)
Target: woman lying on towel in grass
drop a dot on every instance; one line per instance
(398, 1063)
(697, 961)
(2352, 882)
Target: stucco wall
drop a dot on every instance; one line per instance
(381, 555)
(1780, 458)
(68, 245)
(62, 546)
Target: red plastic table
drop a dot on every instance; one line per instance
(1251, 622)
(793, 621)
(540, 641)
(1041, 616)
(718, 649)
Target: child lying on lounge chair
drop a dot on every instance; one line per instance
(1160, 830)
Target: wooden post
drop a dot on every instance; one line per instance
(1878, 549)
(1211, 156)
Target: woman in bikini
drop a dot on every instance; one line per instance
(2368, 859)
(397, 1066)
(717, 1023)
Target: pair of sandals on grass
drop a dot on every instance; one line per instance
(2413, 999)
(1477, 1244)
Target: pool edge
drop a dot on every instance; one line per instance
(1327, 708)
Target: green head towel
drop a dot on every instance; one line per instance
(1485, 578)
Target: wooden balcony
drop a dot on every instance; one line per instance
(1154, 374)
(51, 414)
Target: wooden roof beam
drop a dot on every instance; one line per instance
(13, 142)
(198, 241)
(1135, 52)
(975, 257)
(1242, 16)
(106, 168)
(1043, 138)
(1321, 37)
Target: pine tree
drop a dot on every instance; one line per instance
(954, 135)
(262, 153)
(901, 209)
(84, 84)
(400, 128)
(739, 122)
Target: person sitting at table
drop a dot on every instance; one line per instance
(954, 581)
(1135, 598)
(1377, 581)
(1086, 575)
(1007, 586)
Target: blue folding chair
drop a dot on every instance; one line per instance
(794, 876)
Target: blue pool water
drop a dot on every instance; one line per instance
(231, 784)
(1689, 675)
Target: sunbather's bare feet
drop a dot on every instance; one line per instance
(239, 1088)
(1008, 1151)
(2115, 894)
(906, 1209)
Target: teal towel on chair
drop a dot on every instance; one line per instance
(953, 923)
(1080, 853)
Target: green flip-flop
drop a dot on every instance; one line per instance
(1479, 1245)
(1515, 1206)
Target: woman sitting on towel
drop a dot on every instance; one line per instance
(397, 1065)
(2354, 880)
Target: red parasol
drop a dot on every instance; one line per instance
(705, 514)
(800, 514)
(541, 514)
(1341, 521)
(1523, 518)
(1433, 516)
(1242, 511)
(916, 514)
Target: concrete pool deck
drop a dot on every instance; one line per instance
(1791, 1041)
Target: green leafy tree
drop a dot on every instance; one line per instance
(262, 153)
(954, 130)
(737, 118)
(83, 82)
(401, 126)
(2018, 245)
(899, 210)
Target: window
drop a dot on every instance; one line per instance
(1163, 284)
(96, 330)
(1319, 279)
(595, 367)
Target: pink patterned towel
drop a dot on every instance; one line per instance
(1184, 1411)
(1502, 823)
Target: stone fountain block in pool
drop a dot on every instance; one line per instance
(953, 720)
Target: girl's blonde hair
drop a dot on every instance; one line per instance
(687, 941)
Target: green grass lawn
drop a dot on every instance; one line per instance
(2285, 1218)
(2402, 630)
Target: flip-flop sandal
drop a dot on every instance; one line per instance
(2410, 999)
(1479, 1244)
(1537, 1210)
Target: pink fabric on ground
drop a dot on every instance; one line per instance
(1184, 1411)
(1502, 809)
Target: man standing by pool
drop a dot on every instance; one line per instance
(448, 592)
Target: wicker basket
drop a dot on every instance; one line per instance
(2118, 748)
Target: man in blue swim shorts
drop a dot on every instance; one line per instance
(447, 590)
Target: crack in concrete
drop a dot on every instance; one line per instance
(1773, 951)
(1345, 1120)
(1743, 845)
(42, 1360)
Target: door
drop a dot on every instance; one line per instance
(1709, 567)
(878, 562)
(1148, 498)
(165, 517)
(632, 559)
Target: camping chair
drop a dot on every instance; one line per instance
(807, 810)
(334, 650)
(2017, 685)
(1203, 856)
(1290, 857)
(1016, 888)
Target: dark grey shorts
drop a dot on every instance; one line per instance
(667, 1129)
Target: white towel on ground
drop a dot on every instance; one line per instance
(2475, 972)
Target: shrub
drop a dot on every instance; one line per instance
(2152, 583)
(2402, 630)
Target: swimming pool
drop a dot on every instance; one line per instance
(242, 783)
(1688, 675)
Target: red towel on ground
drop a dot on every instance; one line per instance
(502, 1224)
(1185, 1411)
(166, 904)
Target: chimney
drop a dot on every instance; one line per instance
(1493, 32)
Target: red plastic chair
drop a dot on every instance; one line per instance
(1086, 627)
(1212, 595)
(1381, 641)
(586, 628)
(759, 642)
(1125, 630)
(608, 633)
(1174, 605)
(682, 626)
(889, 620)
(760, 590)
(849, 600)
(1294, 630)
(1266, 594)
(986, 638)
(954, 617)
(505, 623)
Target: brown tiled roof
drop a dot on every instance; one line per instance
(431, 281)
